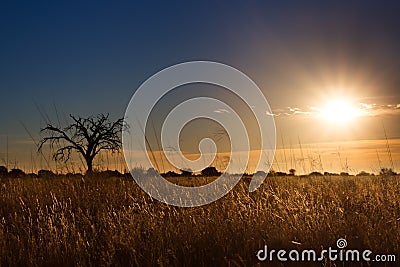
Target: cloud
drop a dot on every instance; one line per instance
(368, 106)
(375, 110)
(290, 111)
(365, 109)
(221, 110)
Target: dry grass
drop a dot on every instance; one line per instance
(110, 221)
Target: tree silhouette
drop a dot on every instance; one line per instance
(87, 136)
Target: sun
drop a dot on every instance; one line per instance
(339, 111)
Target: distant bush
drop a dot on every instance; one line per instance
(387, 172)
(73, 175)
(32, 175)
(210, 171)
(260, 173)
(171, 174)
(315, 174)
(186, 172)
(138, 171)
(3, 171)
(16, 173)
(330, 174)
(152, 172)
(46, 174)
(363, 173)
(109, 173)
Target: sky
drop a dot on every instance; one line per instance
(70, 57)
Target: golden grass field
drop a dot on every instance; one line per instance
(102, 221)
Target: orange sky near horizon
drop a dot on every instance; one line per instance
(338, 135)
(345, 156)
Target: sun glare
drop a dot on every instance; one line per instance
(339, 111)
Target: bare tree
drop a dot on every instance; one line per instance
(87, 136)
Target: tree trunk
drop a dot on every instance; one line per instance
(89, 163)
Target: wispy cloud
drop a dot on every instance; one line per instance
(221, 110)
(374, 109)
(365, 109)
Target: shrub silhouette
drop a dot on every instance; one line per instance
(3, 171)
(171, 174)
(16, 173)
(186, 172)
(138, 172)
(109, 173)
(210, 171)
(152, 172)
(260, 173)
(73, 175)
(387, 172)
(45, 173)
(363, 173)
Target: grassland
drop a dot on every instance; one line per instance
(110, 221)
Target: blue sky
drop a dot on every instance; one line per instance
(89, 57)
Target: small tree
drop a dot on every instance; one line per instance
(87, 136)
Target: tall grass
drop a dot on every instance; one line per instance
(110, 221)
